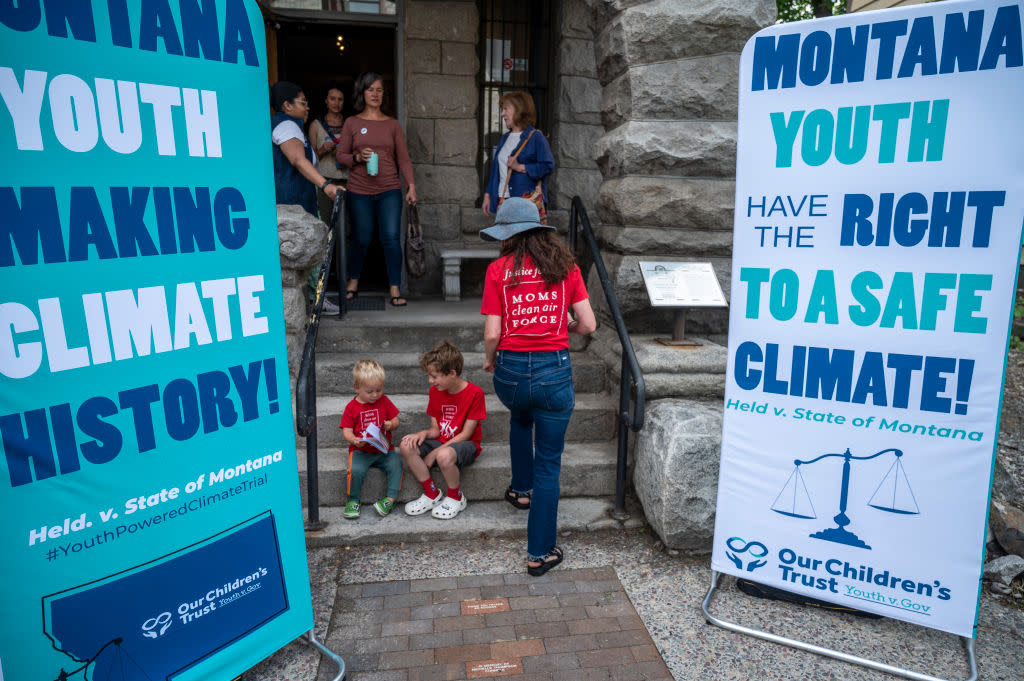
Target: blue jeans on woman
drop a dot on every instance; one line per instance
(537, 389)
(368, 211)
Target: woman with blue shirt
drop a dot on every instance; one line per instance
(517, 174)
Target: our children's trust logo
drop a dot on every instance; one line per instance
(755, 551)
(155, 627)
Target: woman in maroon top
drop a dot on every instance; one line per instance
(375, 199)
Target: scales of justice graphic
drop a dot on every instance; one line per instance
(893, 495)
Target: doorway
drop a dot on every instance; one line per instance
(318, 55)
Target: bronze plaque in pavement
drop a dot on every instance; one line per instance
(487, 668)
(484, 607)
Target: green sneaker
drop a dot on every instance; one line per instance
(351, 509)
(383, 506)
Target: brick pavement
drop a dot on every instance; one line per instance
(569, 625)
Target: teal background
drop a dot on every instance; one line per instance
(246, 165)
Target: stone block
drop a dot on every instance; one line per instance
(693, 374)
(453, 21)
(576, 57)
(301, 237)
(666, 30)
(447, 184)
(697, 88)
(1007, 524)
(295, 315)
(579, 100)
(575, 145)
(442, 96)
(422, 56)
(667, 202)
(676, 473)
(473, 220)
(459, 59)
(679, 241)
(603, 12)
(694, 148)
(440, 222)
(574, 20)
(419, 137)
(1004, 569)
(569, 182)
(455, 141)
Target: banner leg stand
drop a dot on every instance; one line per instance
(828, 652)
(310, 638)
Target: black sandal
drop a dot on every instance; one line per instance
(351, 294)
(394, 304)
(514, 498)
(553, 558)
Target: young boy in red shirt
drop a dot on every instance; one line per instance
(456, 408)
(369, 407)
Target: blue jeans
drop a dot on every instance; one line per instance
(537, 389)
(368, 211)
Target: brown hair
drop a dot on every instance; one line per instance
(522, 102)
(546, 249)
(444, 357)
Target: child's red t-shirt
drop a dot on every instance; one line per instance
(358, 416)
(451, 411)
(534, 316)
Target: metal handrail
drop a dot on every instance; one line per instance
(634, 387)
(305, 384)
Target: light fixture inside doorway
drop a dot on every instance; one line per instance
(341, 44)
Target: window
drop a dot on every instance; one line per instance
(361, 6)
(515, 51)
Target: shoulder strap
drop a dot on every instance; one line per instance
(508, 175)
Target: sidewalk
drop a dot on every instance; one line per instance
(549, 632)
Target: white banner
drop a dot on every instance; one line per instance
(879, 210)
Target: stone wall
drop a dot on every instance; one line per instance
(441, 103)
(667, 157)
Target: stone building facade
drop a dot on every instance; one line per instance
(643, 129)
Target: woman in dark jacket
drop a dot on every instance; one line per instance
(534, 163)
(296, 169)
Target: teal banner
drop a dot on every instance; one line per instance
(151, 522)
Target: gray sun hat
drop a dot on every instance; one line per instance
(514, 215)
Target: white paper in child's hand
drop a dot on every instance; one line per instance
(375, 438)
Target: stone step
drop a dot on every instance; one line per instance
(593, 419)
(480, 519)
(334, 372)
(415, 327)
(587, 470)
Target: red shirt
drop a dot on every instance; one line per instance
(451, 411)
(534, 316)
(358, 416)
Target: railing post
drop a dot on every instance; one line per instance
(620, 513)
(312, 465)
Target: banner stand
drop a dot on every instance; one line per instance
(828, 652)
(310, 638)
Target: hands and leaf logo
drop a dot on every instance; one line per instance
(756, 550)
(161, 622)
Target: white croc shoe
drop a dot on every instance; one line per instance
(449, 508)
(423, 504)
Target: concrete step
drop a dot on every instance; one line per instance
(418, 326)
(480, 519)
(593, 419)
(587, 470)
(334, 372)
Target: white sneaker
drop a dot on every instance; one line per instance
(423, 504)
(330, 308)
(449, 508)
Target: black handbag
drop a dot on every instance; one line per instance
(415, 256)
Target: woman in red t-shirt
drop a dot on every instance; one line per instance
(529, 293)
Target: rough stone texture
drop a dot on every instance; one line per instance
(459, 59)
(640, 317)
(700, 87)
(441, 96)
(574, 19)
(691, 374)
(685, 29)
(301, 238)
(576, 57)
(579, 100)
(664, 241)
(603, 12)
(447, 184)
(667, 202)
(1007, 524)
(419, 137)
(295, 318)
(569, 182)
(676, 474)
(1004, 486)
(455, 141)
(695, 148)
(423, 56)
(575, 145)
(473, 220)
(454, 21)
(1004, 569)
(440, 221)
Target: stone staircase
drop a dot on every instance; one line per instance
(395, 338)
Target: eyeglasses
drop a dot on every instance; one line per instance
(300, 101)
